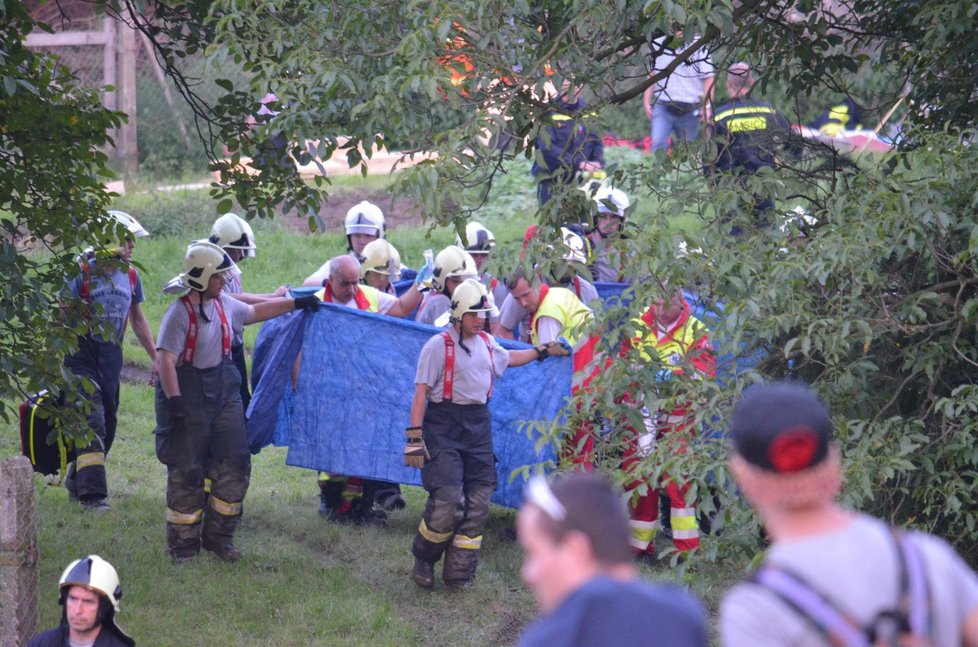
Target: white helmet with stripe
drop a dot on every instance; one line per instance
(231, 231)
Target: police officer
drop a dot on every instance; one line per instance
(89, 593)
(112, 291)
(450, 436)
(200, 425)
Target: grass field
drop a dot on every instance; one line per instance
(303, 580)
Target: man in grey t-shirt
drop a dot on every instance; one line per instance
(789, 469)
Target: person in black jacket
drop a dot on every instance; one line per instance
(748, 134)
(567, 150)
(89, 592)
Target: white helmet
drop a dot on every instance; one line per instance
(471, 296)
(575, 246)
(231, 231)
(95, 574)
(381, 257)
(132, 226)
(612, 200)
(478, 239)
(452, 263)
(365, 218)
(203, 260)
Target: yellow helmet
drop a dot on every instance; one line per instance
(452, 263)
(471, 296)
(381, 257)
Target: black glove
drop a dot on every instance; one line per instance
(551, 349)
(178, 412)
(415, 452)
(309, 301)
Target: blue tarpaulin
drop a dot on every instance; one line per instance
(349, 410)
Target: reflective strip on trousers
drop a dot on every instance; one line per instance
(183, 518)
(93, 459)
(683, 522)
(224, 508)
(641, 533)
(468, 543)
(431, 535)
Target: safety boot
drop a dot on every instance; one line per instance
(423, 573)
(225, 552)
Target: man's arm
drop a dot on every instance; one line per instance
(140, 327)
(418, 404)
(168, 373)
(522, 357)
(253, 299)
(647, 101)
(406, 303)
(548, 329)
(969, 630)
(707, 113)
(269, 309)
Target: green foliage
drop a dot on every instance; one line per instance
(51, 197)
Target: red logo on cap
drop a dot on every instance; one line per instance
(794, 449)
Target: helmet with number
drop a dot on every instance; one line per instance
(613, 201)
(452, 263)
(381, 257)
(231, 231)
(471, 296)
(478, 239)
(575, 247)
(203, 260)
(365, 218)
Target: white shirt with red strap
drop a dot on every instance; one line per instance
(468, 376)
(209, 336)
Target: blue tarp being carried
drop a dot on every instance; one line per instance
(355, 385)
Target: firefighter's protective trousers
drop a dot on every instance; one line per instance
(213, 442)
(460, 477)
(101, 362)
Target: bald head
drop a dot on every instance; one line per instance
(740, 80)
(344, 275)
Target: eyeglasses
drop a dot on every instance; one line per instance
(538, 493)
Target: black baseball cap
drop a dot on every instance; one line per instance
(781, 427)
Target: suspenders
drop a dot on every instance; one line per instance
(192, 327)
(450, 366)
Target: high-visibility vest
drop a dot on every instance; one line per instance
(687, 339)
(560, 304)
(366, 297)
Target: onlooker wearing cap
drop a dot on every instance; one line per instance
(577, 561)
(870, 584)
(748, 134)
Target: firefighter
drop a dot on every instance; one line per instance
(89, 594)
(200, 425)
(612, 207)
(233, 233)
(450, 435)
(479, 242)
(556, 312)
(343, 498)
(112, 291)
(381, 266)
(364, 223)
(452, 266)
(678, 343)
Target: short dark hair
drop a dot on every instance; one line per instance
(518, 274)
(597, 510)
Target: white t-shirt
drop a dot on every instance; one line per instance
(857, 567)
(208, 349)
(473, 372)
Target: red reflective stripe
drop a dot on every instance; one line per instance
(86, 279)
(446, 392)
(493, 283)
(577, 286)
(190, 346)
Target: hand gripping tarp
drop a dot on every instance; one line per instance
(356, 382)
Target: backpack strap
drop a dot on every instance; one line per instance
(190, 346)
(915, 601)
